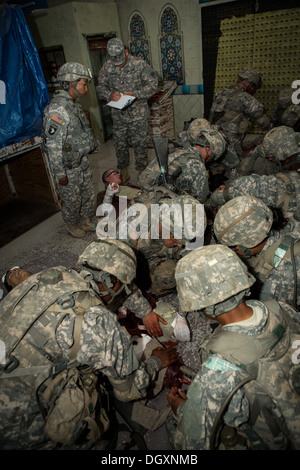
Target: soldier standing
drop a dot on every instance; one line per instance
(68, 139)
(123, 73)
(234, 108)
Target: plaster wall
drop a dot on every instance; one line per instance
(68, 24)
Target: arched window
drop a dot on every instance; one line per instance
(171, 46)
(139, 43)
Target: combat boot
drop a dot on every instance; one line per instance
(87, 225)
(75, 231)
(124, 175)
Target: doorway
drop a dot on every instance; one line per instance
(97, 45)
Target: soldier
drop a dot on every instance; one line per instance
(162, 232)
(110, 263)
(187, 167)
(247, 385)
(54, 325)
(279, 191)
(279, 151)
(244, 223)
(234, 108)
(286, 113)
(129, 75)
(67, 140)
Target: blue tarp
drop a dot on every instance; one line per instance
(23, 88)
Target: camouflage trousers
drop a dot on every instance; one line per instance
(136, 132)
(77, 197)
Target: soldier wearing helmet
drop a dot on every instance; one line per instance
(167, 225)
(67, 140)
(244, 223)
(234, 108)
(286, 113)
(113, 264)
(279, 151)
(125, 74)
(218, 407)
(187, 167)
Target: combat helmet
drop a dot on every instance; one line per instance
(209, 138)
(195, 127)
(109, 256)
(244, 221)
(250, 75)
(72, 72)
(212, 278)
(280, 143)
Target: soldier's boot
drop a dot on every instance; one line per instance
(87, 225)
(75, 231)
(124, 172)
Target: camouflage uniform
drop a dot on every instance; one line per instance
(160, 258)
(279, 144)
(286, 113)
(191, 427)
(280, 190)
(246, 222)
(68, 139)
(215, 280)
(283, 282)
(188, 164)
(130, 124)
(105, 346)
(94, 258)
(234, 107)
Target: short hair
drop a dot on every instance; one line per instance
(104, 175)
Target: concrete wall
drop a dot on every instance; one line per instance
(67, 24)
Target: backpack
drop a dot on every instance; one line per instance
(269, 377)
(73, 401)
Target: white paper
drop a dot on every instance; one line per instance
(124, 101)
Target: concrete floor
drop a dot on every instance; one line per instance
(49, 244)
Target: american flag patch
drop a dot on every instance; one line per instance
(57, 118)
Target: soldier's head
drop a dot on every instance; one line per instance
(209, 142)
(74, 78)
(14, 276)
(281, 143)
(244, 221)
(111, 176)
(250, 80)
(112, 264)
(212, 279)
(117, 52)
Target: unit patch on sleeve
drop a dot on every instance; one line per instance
(57, 118)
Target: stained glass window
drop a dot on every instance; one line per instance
(139, 44)
(171, 47)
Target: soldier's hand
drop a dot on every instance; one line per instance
(166, 356)
(63, 181)
(151, 322)
(176, 397)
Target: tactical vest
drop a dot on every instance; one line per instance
(80, 140)
(35, 366)
(222, 109)
(289, 202)
(268, 374)
(149, 178)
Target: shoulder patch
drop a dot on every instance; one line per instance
(57, 118)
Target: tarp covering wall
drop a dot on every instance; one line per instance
(23, 89)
